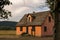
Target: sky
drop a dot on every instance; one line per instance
(21, 7)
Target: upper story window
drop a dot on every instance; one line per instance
(49, 19)
(29, 18)
(45, 28)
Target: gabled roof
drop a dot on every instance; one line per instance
(38, 20)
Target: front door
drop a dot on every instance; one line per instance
(33, 30)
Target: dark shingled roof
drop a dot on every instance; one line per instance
(38, 20)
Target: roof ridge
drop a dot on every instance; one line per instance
(37, 12)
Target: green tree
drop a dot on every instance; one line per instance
(55, 11)
(4, 13)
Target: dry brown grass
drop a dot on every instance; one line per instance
(11, 35)
(29, 38)
(7, 32)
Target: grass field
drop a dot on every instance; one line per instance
(11, 35)
(28, 38)
(7, 32)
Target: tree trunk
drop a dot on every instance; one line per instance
(57, 22)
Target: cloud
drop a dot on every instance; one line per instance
(30, 3)
(21, 7)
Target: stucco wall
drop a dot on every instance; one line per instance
(18, 32)
(24, 30)
(29, 30)
(37, 31)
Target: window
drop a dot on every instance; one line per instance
(29, 18)
(21, 28)
(33, 28)
(49, 19)
(45, 29)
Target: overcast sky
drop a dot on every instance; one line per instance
(21, 7)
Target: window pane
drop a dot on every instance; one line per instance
(49, 19)
(45, 28)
